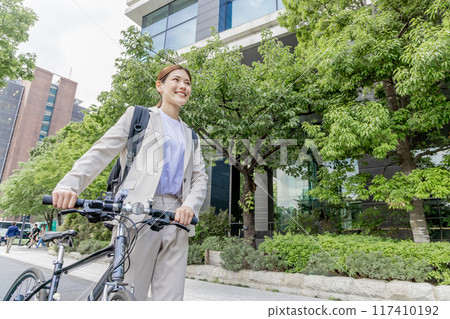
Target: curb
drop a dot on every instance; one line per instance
(342, 288)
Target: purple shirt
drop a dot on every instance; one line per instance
(174, 146)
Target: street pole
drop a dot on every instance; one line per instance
(21, 231)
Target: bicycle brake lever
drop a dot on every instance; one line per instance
(180, 226)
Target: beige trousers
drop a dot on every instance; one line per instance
(159, 259)
(9, 242)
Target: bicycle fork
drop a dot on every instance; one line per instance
(118, 264)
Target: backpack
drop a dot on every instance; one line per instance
(141, 116)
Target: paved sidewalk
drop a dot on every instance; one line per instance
(195, 290)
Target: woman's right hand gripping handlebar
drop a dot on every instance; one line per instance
(64, 199)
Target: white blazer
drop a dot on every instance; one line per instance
(143, 176)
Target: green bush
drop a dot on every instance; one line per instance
(90, 246)
(234, 253)
(410, 260)
(257, 260)
(215, 243)
(238, 253)
(196, 255)
(211, 225)
(323, 264)
(377, 266)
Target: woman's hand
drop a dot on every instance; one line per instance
(64, 199)
(184, 215)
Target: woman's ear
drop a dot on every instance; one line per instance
(158, 86)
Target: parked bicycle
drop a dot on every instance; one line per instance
(31, 284)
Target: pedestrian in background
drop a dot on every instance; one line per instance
(12, 232)
(33, 235)
(41, 234)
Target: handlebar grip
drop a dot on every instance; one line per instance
(47, 200)
(194, 220)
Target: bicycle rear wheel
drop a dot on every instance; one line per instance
(123, 295)
(25, 284)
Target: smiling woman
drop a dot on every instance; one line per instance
(179, 185)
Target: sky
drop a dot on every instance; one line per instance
(78, 39)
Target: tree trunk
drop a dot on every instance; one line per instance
(248, 205)
(407, 164)
(417, 216)
(49, 220)
(418, 223)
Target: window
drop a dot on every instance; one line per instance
(48, 112)
(236, 12)
(172, 26)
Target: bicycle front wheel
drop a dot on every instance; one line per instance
(123, 295)
(25, 284)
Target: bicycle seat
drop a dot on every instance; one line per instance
(51, 235)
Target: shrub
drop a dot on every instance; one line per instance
(324, 264)
(234, 254)
(406, 259)
(257, 260)
(215, 243)
(90, 246)
(238, 254)
(196, 255)
(211, 225)
(377, 266)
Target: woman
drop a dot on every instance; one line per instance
(167, 168)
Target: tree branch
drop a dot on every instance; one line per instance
(391, 94)
(430, 152)
(217, 146)
(404, 29)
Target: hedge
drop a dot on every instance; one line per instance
(362, 256)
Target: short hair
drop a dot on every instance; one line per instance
(13, 223)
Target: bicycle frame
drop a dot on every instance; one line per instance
(102, 288)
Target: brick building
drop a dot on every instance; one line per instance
(40, 108)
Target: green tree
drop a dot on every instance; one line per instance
(15, 21)
(246, 113)
(377, 74)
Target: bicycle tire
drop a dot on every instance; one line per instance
(26, 282)
(123, 295)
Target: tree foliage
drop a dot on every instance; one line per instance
(378, 75)
(15, 21)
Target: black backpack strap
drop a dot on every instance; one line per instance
(141, 116)
(194, 139)
(139, 122)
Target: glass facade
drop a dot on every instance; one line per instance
(236, 12)
(10, 97)
(172, 26)
(48, 112)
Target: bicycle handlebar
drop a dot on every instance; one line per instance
(114, 207)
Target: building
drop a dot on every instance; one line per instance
(77, 112)
(30, 111)
(10, 98)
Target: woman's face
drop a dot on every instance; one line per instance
(176, 89)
